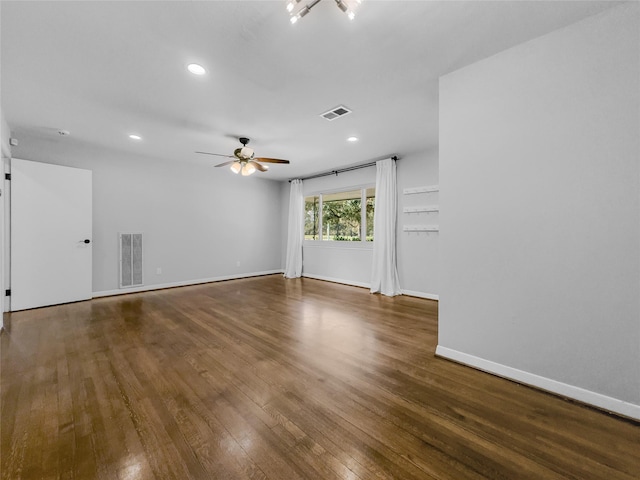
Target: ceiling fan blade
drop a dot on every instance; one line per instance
(226, 163)
(216, 154)
(262, 168)
(271, 160)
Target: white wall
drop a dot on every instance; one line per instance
(417, 252)
(198, 221)
(5, 149)
(540, 212)
(5, 134)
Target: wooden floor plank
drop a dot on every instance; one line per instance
(269, 379)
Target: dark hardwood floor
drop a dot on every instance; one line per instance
(267, 378)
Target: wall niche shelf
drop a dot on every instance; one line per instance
(422, 209)
(421, 228)
(425, 189)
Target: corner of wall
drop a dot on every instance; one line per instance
(5, 149)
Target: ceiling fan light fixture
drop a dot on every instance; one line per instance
(236, 167)
(243, 160)
(248, 169)
(246, 152)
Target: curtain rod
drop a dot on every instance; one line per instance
(341, 170)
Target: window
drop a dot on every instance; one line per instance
(370, 201)
(311, 217)
(341, 216)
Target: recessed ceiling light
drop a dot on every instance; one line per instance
(135, 137)
(352, 139)
(196, 69)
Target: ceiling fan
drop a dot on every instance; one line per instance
(244, 160)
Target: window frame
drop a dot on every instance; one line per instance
(363, 243)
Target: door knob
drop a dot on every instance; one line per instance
(86, 240)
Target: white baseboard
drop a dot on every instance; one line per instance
(337, 280)
(585, 396)
(160, 286)
(413, 293)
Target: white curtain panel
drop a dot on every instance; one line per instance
(293, 266)
(384, 273)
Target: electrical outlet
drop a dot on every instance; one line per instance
(238, 263)
(158, 271)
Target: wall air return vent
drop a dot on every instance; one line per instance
(339, 111)
(130, 259)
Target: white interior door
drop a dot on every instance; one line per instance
(50, 234)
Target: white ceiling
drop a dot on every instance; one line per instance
(103, 70)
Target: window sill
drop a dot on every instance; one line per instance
(338, 244)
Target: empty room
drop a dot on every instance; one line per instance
(320, 239)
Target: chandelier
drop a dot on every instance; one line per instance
(297, 11)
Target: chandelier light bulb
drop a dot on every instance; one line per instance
(235, 167)
(347, 6)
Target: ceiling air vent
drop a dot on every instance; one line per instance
(339, 111)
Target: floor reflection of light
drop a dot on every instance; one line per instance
(238, 444)
(131, 472)
(352, 472)
(246, 442)
(332, 329)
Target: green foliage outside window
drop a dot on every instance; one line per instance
(311, 217)
(371, 201)
(342, 216)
